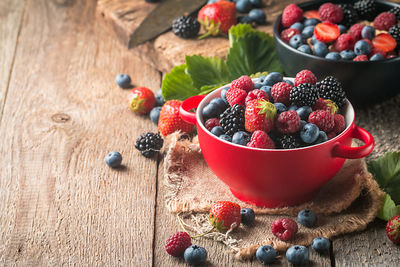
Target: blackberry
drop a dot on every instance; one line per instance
(149, 144)
(232, 120)
(304, 94)
(394, 31)
(350, 16)
(185, 27)
(366, 9)
(287, 141)
(396, 12)
(330, 88)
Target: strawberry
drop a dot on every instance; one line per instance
(312, 14)
(217, 18)
(170, 120)
(259, 115)
(326, 32)
(325, 104)
(393, 229)
(236, 96)
(384, 42)
(223, 214)
(141, 100)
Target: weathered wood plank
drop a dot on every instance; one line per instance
(60, 203)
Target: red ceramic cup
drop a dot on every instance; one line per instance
(275, 177)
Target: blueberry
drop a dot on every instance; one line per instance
(321, 245)
(244, 19)
(241, 138)
(347, 55)
(307, 218)
(210, 111)
(320, 49)
(289, 82)
(309, 133)
(159, 98)
(256, 3)
(280, 107)
(296, 41)
(226, 137)
(298, 25)
(297, 255)
(217, 130)
(243, 6)
(267, 89)
(248, 216)
(220, 103)
(273, 78)
(333, 56)
(302, 123)
(310, 22)
(308, 32)
(195, 255)
(376, 57)
(261, 79)
(304, 112)
(257, 85)
(123, 81)
(266, 254)
(113, 159)
(362, 48)
(223, 93)
(322, 137)
(305, 49)
(293, 107)
(368, 32)
(258, 16)
(155, 114)
(342, 29)
(314, 40)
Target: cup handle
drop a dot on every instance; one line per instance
(346, 152)
(188, 104)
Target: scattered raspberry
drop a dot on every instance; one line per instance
(305, 76)
(177, 243)
(330, 12)
(344, 42)
(331, 135)
(361, 58)
(326, 32)
(325, 104)
(211, 123)
(288, 122)
(284, 228)
(288, 33)
(236, 96)
(256, 94)
(244, 83)
(384, 42)
(280, 92)
(323, 119)
(340, 124)
(291, 14)
(355, 31)
(384, 21)
(260, 139)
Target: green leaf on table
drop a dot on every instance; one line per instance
(177, 84)
(206, 70)
(388, 209)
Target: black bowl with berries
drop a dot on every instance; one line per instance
(358, 42)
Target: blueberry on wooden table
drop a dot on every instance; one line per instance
(195, 255)
(123, 81)
(321, 245)
(113, 159)
(266, 254)
(298, 255)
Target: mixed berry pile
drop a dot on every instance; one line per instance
(355, 32)
(275, 113)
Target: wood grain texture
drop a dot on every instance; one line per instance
(60, 203)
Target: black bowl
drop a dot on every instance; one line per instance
(365, 82)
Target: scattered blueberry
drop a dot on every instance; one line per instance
(368, 32)
(245, 19)
(159, 98)
(226, 137)
(296, 41)
(248, 216)
(155, 114)
(333, 56)
(273, 78)
(307, 218)
(321, 245)
(258, 16)
(362, 48)
(304, 112)
(289, 82)
(280, 107)
(320, 49)
(217, 130)
(342, 29)
(347, 55)
(297, 255)
(195, 255)
(308, 32)
(376, 57)
(123, 81)
(266, 254)
(241, 138)
(113, 159)
(256, 3)
(309, 133)
(293, 107)
(310, 22)
(298, 25)
(243, 6)
(305, 49)
(267, 89)
(322, 137)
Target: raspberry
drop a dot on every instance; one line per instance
(331, 135)
(261, 139)
(211, 123)
(305, 76)
(284, 228)
(236, 96)
(384, 21)
(256, 94)
(344, 42)
(289, 33)
(291, 14)
(244, 83)
(177, 243)
(325, 104)
(330, 12)
(323, 119)
(361, 58)
(340, 124)
(288, 122)
(280, 92)
(355, 31)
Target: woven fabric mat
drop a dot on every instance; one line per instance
(345, 204)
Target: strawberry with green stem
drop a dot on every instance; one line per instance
(141, 100)
(170, 120)
(393, 229)
(260, 114)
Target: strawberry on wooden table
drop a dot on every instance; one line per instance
(141, 100)
(170, 120)
(223, 214)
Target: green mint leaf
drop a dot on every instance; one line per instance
(207, 70)
(388, 209)
(177, 84)
(386, 171)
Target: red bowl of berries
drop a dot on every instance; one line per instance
(357, 42)
(273, 143)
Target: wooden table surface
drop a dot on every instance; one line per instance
(60, 113)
